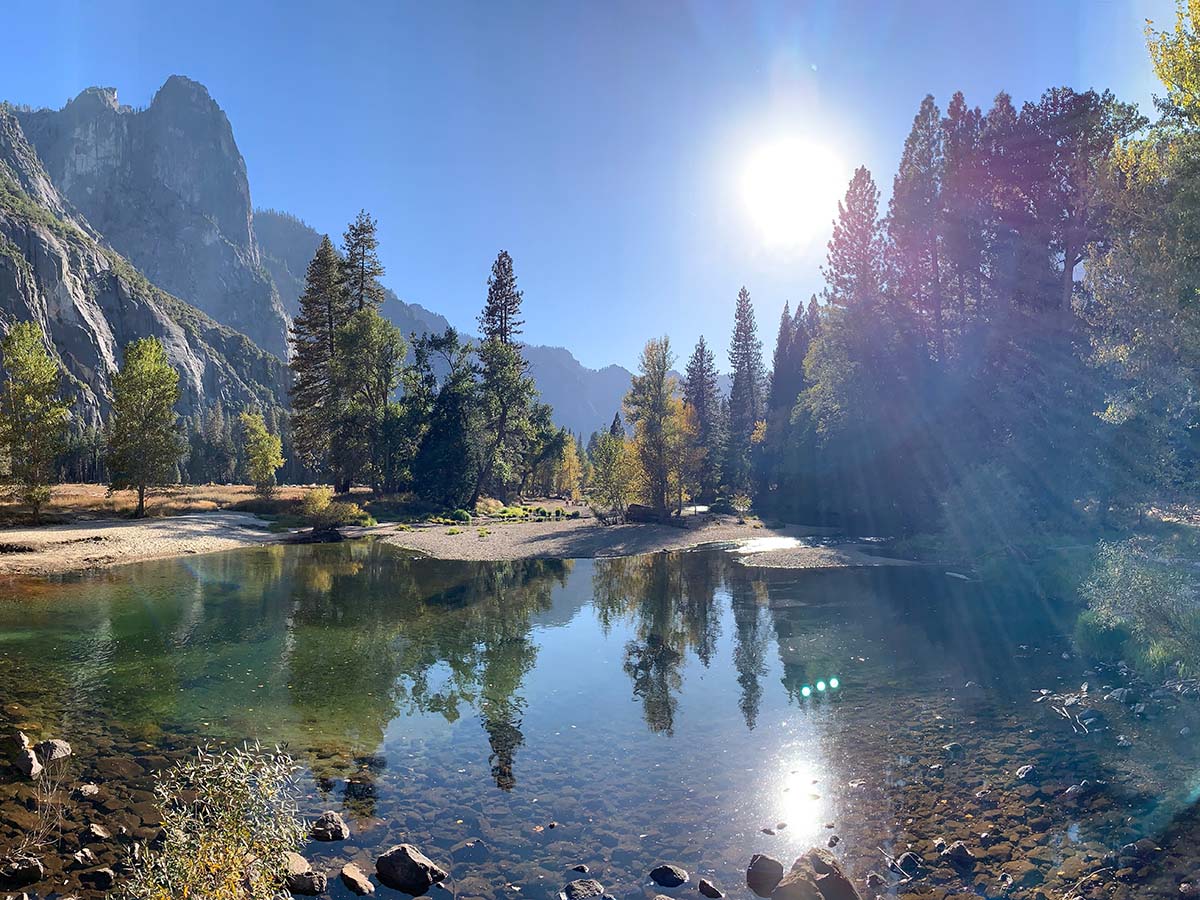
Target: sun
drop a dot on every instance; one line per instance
(791, 189)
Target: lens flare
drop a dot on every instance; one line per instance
(834, 683)
(820, 685)
(806, 691)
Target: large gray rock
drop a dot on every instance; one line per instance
(23, 756)
(52, 751)
(763, 874)
(582, 889)
(668, 876)
(405, 868)
(816, 875)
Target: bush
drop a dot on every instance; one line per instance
(322, 512)
(229, 819)
(460, 515)
(453, 531)
(1100, 640)
(573, 514)
(487, 506)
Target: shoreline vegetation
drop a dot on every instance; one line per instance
(88, 536)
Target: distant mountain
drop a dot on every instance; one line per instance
(166, 186)
(57, 270)
(583, 399)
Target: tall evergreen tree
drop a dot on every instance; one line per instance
(853, 270)
(361, 266)
(746, 395)
(617, 428)
(702, 394)
(501, 317)
(784, 386)
(914, 227)
(316, 407)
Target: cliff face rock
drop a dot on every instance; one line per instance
(583, 399)
(90, 302)
(166, 186)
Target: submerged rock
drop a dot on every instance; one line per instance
(355, 880)
(909, 865)
(763, 874)
(405, 868)
(22, 871)
(329, 826)
(668, 876)
(959, 854)
(582, 889)
(710, 890)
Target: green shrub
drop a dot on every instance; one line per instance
(1098, 639)
(483, 532)
(229, 819)
(322, 512)
(460, 515)
(453, 531)
(573, 514)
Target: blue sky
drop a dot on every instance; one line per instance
(601, 143)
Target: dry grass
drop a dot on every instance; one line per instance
(81, 502)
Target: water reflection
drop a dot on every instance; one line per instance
(663, 706)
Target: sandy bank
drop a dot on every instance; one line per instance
(54, 549)
(585, 538)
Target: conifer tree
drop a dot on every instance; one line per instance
(361, 266)
(617, 428)
(501, 317)
(853, 269)
(746, 394)
(144, 441)
(703, 396)
(324, 307)
(781, 363)
(33, 415)
(914, 227)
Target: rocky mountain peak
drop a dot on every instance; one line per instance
(167, 188)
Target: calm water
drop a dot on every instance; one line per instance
(653, 709)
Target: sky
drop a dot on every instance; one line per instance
(608, 146)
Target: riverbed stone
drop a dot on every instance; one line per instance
(329, 826)
(405, 868)
(301, 878)
(52, 750)
(817, 875)
(582, 889)
(763, 874)
(710, 890)
(22, 871)
(668, 876)
(356, 880)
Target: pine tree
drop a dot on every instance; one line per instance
(501, 317)
(655, 410)
(361, 263)
(914, 226)
(853, 270)
(703, 396)
(617, 428)
(781, 362)
(316, 407)
(144, 441)
(746, 394)
(33, 415)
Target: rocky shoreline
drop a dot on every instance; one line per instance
(967, 821)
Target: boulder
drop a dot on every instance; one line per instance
(710, 890)
(405, 868)
(52, 751)
(582, 889)
(816, 875)
(356, 880)
(301, 878)
(329, 826)
(24, 758)
(668, 876)
(763, 874)
(98, 879)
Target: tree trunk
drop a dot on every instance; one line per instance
(140, 512)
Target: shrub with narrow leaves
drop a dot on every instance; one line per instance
(229, 819)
